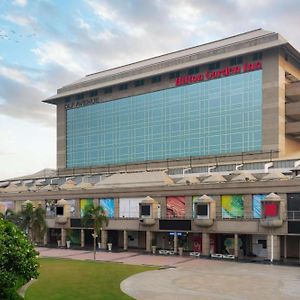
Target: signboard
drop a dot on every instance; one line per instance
(227, 71)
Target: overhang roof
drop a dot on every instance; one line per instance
(135, 179)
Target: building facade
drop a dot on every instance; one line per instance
(197, 148)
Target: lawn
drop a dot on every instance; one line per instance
(67, 279)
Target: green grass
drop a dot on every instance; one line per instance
(67, 279)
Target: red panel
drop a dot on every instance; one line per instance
(271, 210)
(175, 207)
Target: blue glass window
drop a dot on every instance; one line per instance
(219, 116)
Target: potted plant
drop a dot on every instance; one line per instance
(68, 237)
(58, 239)
(181, 246)
(109, 246)
(153, 246)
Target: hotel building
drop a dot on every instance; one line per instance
(198, 148)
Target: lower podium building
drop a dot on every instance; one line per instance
(197, 149)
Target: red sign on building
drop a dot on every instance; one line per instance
(227, 71)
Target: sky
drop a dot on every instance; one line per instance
(46, 44)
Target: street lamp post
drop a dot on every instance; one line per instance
(94, 235)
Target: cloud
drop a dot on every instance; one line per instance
(22, 101)
(14, 74)
(83, 24)
(20, 20)
(20, 2)
(58, 53)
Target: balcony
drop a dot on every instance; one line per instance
(268, 222)
(292, 91)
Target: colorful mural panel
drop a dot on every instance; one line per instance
(256, 205)
(83, 203)
(232, 206)
(109, 206)
(5, 205)
(176, 207)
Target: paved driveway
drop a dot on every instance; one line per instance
(215, 280)
(192, 278)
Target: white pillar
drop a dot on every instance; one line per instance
(148, 240)
(205, 244)
(285, 248)
(236, 245)
(175, 242)
(125, 242)
(104, 239)
(46, 238)
(272, 247)
(82, 237)
(63, 237)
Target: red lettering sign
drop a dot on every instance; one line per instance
(227, 71)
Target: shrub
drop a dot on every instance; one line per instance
(18, 263)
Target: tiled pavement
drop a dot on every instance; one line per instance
(134, 258)
(188, 278)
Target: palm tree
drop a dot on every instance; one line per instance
(39, 225)
(94, 216)
(24, 219)
(32, 221)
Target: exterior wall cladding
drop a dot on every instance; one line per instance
(196, 149)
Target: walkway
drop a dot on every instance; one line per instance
(193, 278)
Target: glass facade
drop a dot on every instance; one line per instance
(214, 117)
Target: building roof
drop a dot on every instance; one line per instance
(136, 179)
(255, 40)
(45, 173)
(243, 177)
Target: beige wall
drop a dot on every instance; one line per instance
(291, 145)
(245, 225)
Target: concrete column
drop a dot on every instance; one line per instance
(285, 248)
(205, 244)
(248, 206)
(46, 238)
(273, 246)
(189, 207)
(82, 237)
(125, 240)
(104, 239)
(148, 240)
(236, 245)
(63, 237)
(175, 242)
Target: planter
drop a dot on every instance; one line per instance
(153, 249)
(180, 250)
(109, 246)
(68, 244)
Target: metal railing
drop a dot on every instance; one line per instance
(293, 215)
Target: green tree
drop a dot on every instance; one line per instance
(39, 225)
(24, 219)
(18, 263)
(32, 221)
(9, 214)
(94, 216)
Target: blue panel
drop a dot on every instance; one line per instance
(256, 205)
(109, 206)
(219, 116)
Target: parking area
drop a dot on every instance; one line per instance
(194, 278)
